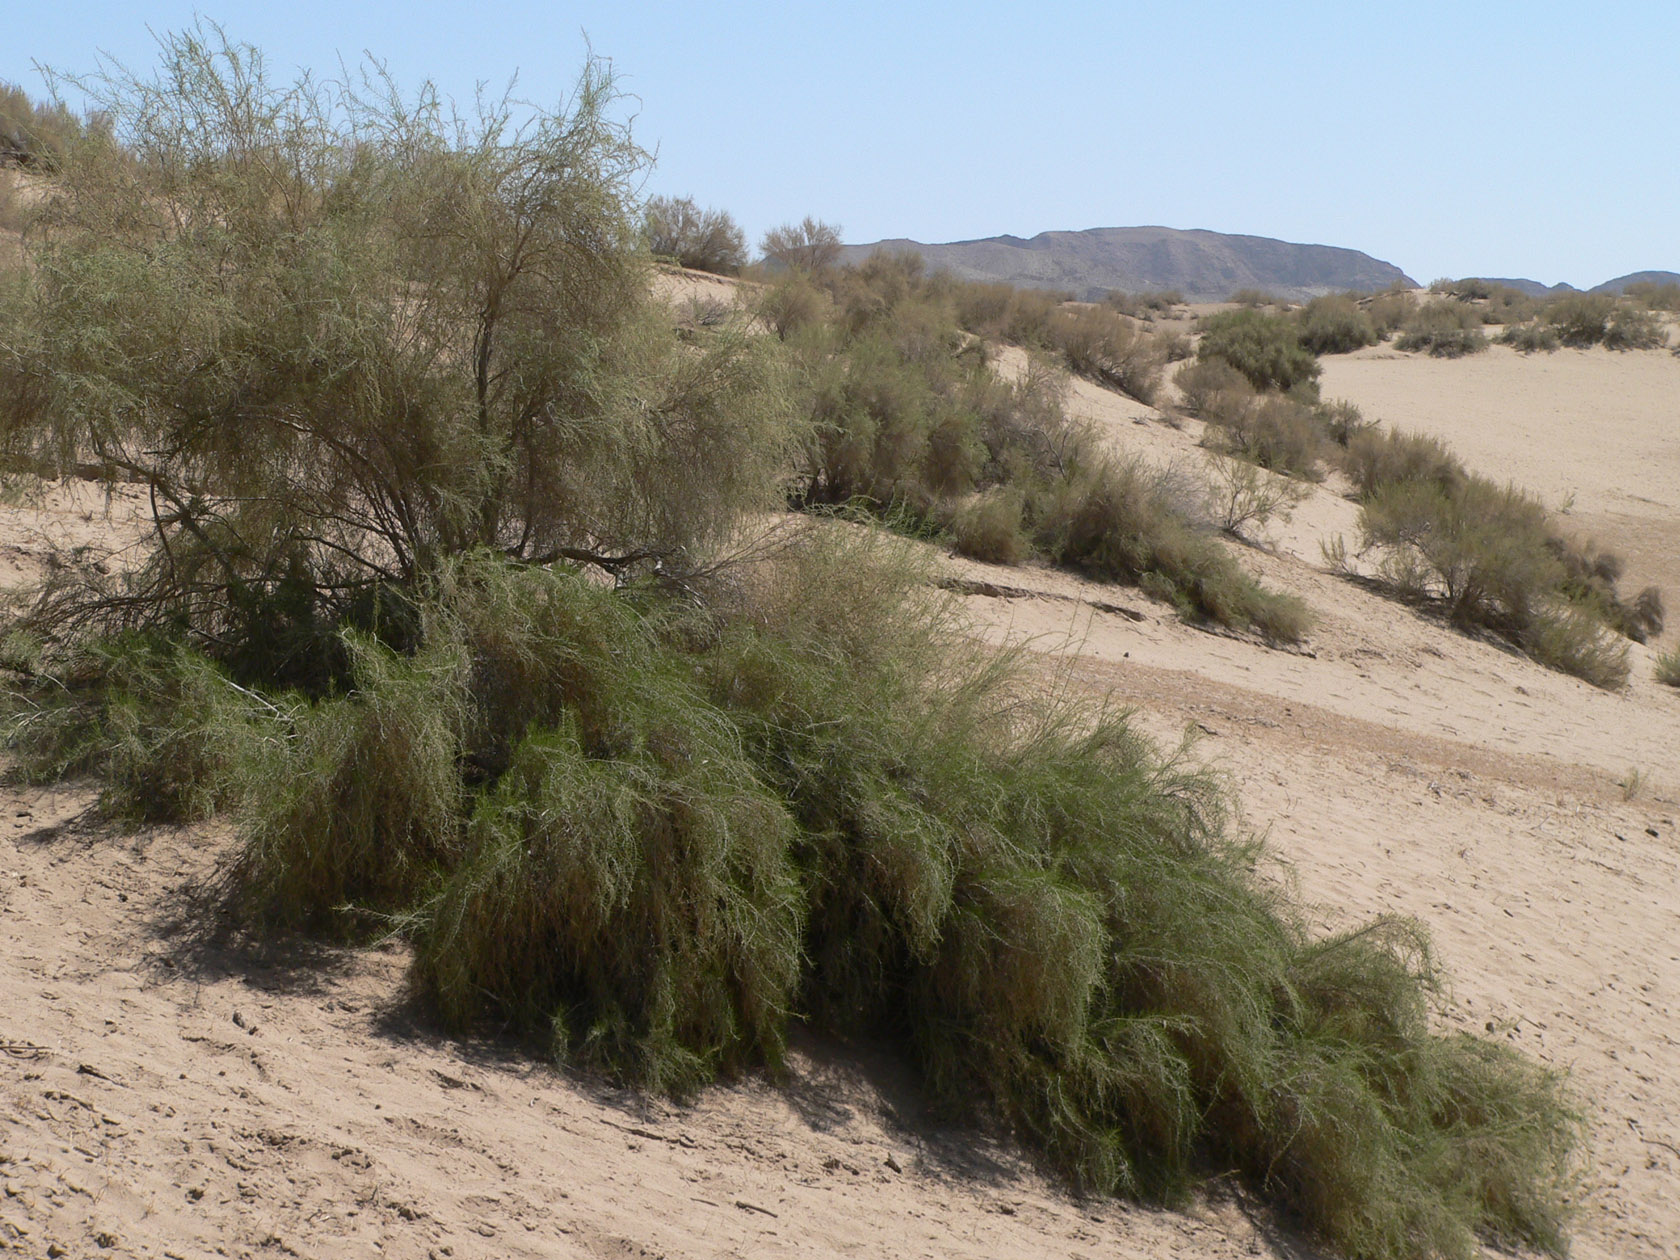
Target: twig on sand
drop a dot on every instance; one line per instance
(753, 1207)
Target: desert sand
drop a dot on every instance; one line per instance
(165, 1096)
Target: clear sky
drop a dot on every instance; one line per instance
(1468, 138)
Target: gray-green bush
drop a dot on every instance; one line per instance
(1265, 348)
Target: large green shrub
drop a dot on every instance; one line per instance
(650, 835)
(1335, 325)
(387, 341)
(1265, 348)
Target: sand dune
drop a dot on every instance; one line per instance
(170, 1097)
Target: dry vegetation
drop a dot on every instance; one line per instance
(448, 603)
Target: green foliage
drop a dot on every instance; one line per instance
(1270, 430)
(1335, 325)
(1111, 349)
(1597, 319)
(1265, 348)
(1123, 521)
(1489, 555)
(1653, 296)
(705, 240)
(987, 527)
(819, 799)
(36, 136)
(1531, 336)
(1253, 298)
(1666, 670)
(1446, 330)
(1376, 457)
(1212, 387)
(395, 337)
(1391, 311)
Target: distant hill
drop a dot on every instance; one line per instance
(1204, 266)
(1620, 283)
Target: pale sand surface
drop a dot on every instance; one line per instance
(1396, 766)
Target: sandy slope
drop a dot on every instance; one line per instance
(172, 1097)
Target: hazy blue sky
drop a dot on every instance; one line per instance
(1533, 139)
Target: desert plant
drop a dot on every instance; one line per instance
(387, 342)
(1124, 521)
(1374, 457)
(1335, 325)
(1390, 311)
(987, 527)
(1274, 432)
(1664, 296)
(705, 240)
(1531, 336)
(1251, 297)
(1446, 330)
(1211, 387)
(1488, 554)
(1666, 668)
(35, 136)
(809, 245)
(1241, 494)
(1342, 421)
(1265, 348)
(1111, 349)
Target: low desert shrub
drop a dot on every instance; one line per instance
(1489, 555)
(1376, 457)
(1335, 325)
(1597, 319)
(1446, 330)
(1531, 336)
(1273, 431)
(1343, 421)
(817, 799)
(1265, 348)
(1211, 387)
(1253, 298)
(1118, 520)
(1664, 296)
(1110, 349)
(1666, 668)
(987, 527)
(1390, 311)
(1241, 495)
(1150, 304)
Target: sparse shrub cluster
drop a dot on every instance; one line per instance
(1654, 296)
(1596, 319)
(705, 240)
(1444, 329)
(910, 422)
(1335, 325)
(1152, 304)
(1265, 348)
(810, 246)
(1111, 349)
(1493, 558)
(652, 821)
